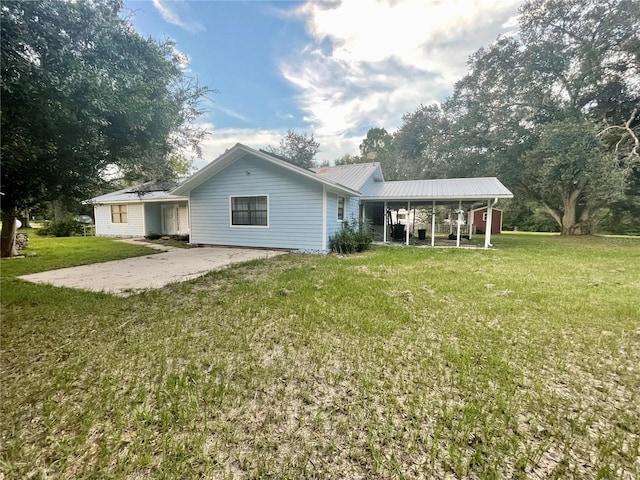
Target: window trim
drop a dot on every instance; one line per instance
(344, 208)
(126, 212)
(484, 216)
(231, 225)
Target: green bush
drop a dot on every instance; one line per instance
(353, 236)
(66, 227)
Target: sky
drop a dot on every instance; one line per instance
(332, 68)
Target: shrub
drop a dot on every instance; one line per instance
(66, 227)
(353, 236)
(22, 241)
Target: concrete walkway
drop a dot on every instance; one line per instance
(125, 277)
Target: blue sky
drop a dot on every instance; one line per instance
(334, 69)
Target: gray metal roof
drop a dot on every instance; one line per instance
(352, 176)
(440, 189)
(146, 192)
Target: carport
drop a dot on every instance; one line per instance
(464, 193)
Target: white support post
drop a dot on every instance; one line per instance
(459, 223)
(384, 224)
(407, 232)
(433, 224)
(488, 225)
(450, 222)
(469, 222)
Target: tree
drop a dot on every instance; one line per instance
(84, 95)
(570, 173)
(377, 140)
(422, 140)
(299, 149)
(574, 65)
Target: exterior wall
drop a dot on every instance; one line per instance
(481, 225)
(295, 207)
(153, 218)
(351, 210)
(183, 217)
(133, 228)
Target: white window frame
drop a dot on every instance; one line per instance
(126, 212)
(231, 197)
(484, 217)
(344, 208)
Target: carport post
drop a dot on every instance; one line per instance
(433, 224)
(408, 210)
(459, 223)
(384, 224)
(489, 224)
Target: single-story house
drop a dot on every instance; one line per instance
(252, 198)
(142, 210)
(478, 219)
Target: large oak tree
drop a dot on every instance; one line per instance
(84, 96)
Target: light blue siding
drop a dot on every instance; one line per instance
(351, 207)
(295, 207)
(152, 216)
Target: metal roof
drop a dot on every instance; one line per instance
(146, 192)
(440, 189)
(352, 176)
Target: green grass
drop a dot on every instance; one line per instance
(518, 362)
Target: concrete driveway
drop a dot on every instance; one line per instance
(124, 277)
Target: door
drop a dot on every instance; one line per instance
(170, 220)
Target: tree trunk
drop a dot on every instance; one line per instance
(8, 235)
(570, 224)
(60, 211)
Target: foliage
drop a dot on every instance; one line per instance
(84, 95)
(518, 112)
(64, 227)
(373, 366)
(299, 149)
(353, 236)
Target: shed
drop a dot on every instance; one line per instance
(478, 219)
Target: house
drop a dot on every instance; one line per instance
(478, 218)
(141, 211)
(252, 198)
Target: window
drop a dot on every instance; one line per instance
(484, 216)
(250, 211)
(118, 214)
(340, 209)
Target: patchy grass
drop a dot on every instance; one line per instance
(518, 362)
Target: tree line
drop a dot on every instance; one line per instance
(85, 98)
(553, 111)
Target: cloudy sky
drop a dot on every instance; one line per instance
(332, 68)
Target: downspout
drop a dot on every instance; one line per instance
(386, 227)
(489, 223)
(324, 218)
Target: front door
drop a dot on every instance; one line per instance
(170, 221)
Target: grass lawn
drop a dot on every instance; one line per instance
(518, 362)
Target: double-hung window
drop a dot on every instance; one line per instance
(118, 214)
(340, 209)
(250, 211)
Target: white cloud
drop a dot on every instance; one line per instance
(174, 12)
(218, 141)
(371, 61)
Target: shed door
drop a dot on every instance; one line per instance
(170, 220)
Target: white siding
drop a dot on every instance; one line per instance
(133, 228)
(295, 207)
(183, 217)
